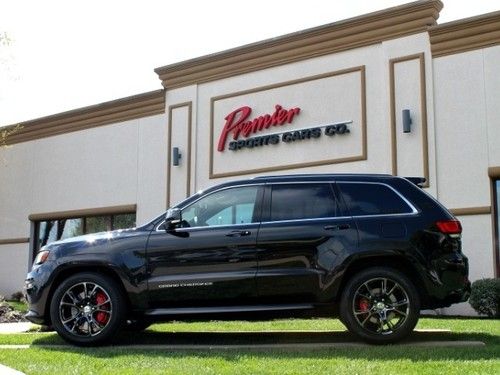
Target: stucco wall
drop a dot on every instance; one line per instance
(467, 133)
(13, 268)
(112, 165)
(375, 60)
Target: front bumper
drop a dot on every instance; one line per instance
(34, 317)
(36, 291)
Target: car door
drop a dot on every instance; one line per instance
(209, 258)
(303, 239)
(382, 215)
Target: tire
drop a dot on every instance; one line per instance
(380, 305)
(87, 309)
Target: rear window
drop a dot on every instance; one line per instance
(302, 201)
(372, 199)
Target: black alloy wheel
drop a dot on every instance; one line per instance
(380, 305)
(87, 309)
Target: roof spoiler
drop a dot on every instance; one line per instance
(419, 181)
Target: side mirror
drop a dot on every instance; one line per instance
(172, 218)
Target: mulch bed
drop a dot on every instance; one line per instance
(9, 314)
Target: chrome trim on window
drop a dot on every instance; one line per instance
(308, 220)
(414, 210)
(408, 203)
(258, 184)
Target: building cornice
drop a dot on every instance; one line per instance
(465, 35)
(352, 33)
(129, 108)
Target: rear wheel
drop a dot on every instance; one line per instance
(87, 309)
(380, 305)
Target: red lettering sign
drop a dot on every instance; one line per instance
(238, 124)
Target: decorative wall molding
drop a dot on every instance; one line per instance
(129, 108)
(465, 35)
(494, 172)
(112, 210)
(467, 211)
(13, 241)
(287, 165)
(423, 111)
(352, 33)
(189, 130)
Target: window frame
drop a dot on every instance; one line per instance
(414, 210)
(266, 214)
(495, 212)
(208, 195)
(257, 212)
(35, 245)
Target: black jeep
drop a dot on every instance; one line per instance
(371, 249)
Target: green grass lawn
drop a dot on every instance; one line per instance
(41, 358)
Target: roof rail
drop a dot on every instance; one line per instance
(320, 175)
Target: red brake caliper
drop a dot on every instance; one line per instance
(364, 305)
(101, 317)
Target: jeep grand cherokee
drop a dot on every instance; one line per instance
(371, 249)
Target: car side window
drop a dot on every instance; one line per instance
(223, 207)
(302, 201)
(372, 199)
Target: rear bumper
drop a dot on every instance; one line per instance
(456, 296)
(450, 281)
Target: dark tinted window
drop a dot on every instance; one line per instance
(302, 201)
(372, 199)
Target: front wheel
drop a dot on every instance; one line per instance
(380, 305)
(87, 309)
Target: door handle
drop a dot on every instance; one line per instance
(337, 227)
(238, 233)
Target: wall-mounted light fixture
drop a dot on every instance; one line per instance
(406, 121)
(176, 156)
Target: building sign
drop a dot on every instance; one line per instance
(238, 124)
(239, 128)
(313, 121)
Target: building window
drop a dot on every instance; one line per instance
(57, 229)
(496, 213)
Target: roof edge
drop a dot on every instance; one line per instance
(465, 34)
(351, 33)
(118, 110)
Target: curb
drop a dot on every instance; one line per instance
(298, 346)
(8, 328)
(4, 370)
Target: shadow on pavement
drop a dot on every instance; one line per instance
(253, 339)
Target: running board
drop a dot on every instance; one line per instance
(226, 309)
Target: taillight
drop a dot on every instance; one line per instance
(449, 227)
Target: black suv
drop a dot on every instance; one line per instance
(371, 249)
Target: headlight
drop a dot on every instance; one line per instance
(41, 257)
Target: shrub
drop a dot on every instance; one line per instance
(485, 297)
(17, 296)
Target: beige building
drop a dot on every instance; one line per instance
(387, 92)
